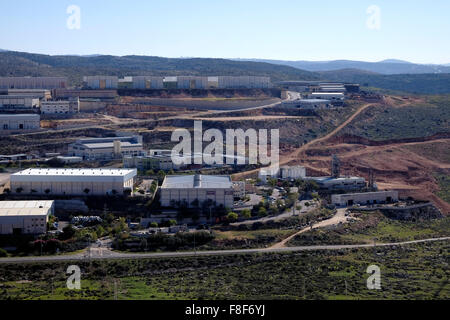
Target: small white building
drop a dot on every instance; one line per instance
(73, 182)
(265, 173)
(69, 160)
(19, 122)
(332, 96)
(293, 172)
(25, 217)
(366, 198)
(189, 188)
(61, 107)
(107, 148)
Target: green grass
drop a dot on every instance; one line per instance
(375, 226)
(417, 271)
(444, 186)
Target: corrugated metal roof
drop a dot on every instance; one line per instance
(197, 181)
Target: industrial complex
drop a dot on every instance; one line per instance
(73, 182)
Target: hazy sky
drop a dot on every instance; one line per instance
(415, 30)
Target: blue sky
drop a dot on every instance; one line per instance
(415, 30)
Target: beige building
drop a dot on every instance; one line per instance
(74, 182)
(70, 106)
(25, 217)
(364, 198)
(178, 189)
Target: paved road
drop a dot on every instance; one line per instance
(106, 254)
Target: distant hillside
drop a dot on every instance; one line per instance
(74, 67)
(433, 83)
(390, 66)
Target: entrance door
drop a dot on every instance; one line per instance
(349, 203)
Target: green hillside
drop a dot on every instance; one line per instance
(74, 67)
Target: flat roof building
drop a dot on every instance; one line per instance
(307, 104)
(100, 82)
(61, 107)
(75, 182)
(366, 198)
(339, 183)
(179, 189)
(328, 95)
(25, 217)
(107, 148)
(19, 122)
(18, 102)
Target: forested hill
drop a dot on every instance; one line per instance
(74, 67)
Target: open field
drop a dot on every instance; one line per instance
(412, 272)
(374, 226)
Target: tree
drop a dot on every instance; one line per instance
(150, 173)
(232, 216)
(172, 222)
(68, 232)
(246, 214)
(86, 191)
(3, 253)
(161, 175)
(154, 225)
(19, 190)
(262, 212)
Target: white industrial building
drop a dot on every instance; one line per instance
(18, 102)
(186, 82)
(70, 106)
(100, 82)
(33, 82)
(332, 96)
(107, 148)
(339, 183)
(307, 104)
(25, 217)
(73, 182)
(179, 189)
(366, 198)
(293, 172)
(43, 94)
(19, 122)
(148, 82)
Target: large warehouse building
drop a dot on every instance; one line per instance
(176, 189)
(74, 182)
(19, 122)
(364, 198)
(25, 217)
(18, 102)
(33, 82)
(101, 82)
